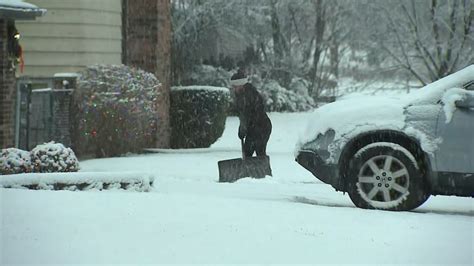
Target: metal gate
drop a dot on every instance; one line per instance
(34, 113)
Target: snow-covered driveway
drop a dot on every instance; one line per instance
(190, 218)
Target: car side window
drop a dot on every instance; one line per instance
(469, 86)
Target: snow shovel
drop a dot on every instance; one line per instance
(234, 169)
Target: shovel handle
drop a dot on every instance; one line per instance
(242, 147)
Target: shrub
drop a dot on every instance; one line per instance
(207, 76)
(300, 86)
(197, 115)
(279, 99)
(115, 110)
(54, 157)
(14, 161)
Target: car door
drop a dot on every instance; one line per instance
(455, 153)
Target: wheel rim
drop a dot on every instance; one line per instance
(383, 181)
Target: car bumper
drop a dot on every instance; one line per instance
(328, 173)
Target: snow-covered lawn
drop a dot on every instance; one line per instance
(190, 218)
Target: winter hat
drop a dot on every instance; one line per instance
(239, 78)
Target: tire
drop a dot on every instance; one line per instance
(386, 176)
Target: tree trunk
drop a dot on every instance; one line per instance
(163, 72)
(276, 34)
(319, 35)
(334, 53)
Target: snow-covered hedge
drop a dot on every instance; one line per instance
(279, 99)
(53, 157)
(115, 109)
(15, 161)
(198, 115)
(301, 87)
(133, 181)
(207, 75)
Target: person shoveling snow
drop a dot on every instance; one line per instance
(254, 132)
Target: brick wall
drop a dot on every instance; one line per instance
(7, 92)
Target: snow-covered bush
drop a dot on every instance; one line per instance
(279, 99)
(14, 161)
(81, 181)
(115, 109)
(198, 115)
(207, 75)
(53, 157)
(300, 86)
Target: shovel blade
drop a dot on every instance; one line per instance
(234, 169)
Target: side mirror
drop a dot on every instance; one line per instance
(467, 101)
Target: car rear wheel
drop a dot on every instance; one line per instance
(386, 176)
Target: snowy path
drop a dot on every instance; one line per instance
(190, 218)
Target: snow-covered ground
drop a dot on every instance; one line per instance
(191, 218)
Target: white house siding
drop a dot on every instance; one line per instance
(72, 35)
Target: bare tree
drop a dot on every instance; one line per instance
(191, 21)
(429, 38)
(330, 31)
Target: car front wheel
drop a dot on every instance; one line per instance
(386, 176)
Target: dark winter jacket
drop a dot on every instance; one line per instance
(254, 122)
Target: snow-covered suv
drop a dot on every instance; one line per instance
(393, 153)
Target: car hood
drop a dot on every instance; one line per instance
(354, 115)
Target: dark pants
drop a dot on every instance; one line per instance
(256, 143)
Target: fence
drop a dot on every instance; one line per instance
(42, 112)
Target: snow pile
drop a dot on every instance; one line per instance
(348, 118)
(15, 161)
(54, 157)
(134, 181)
